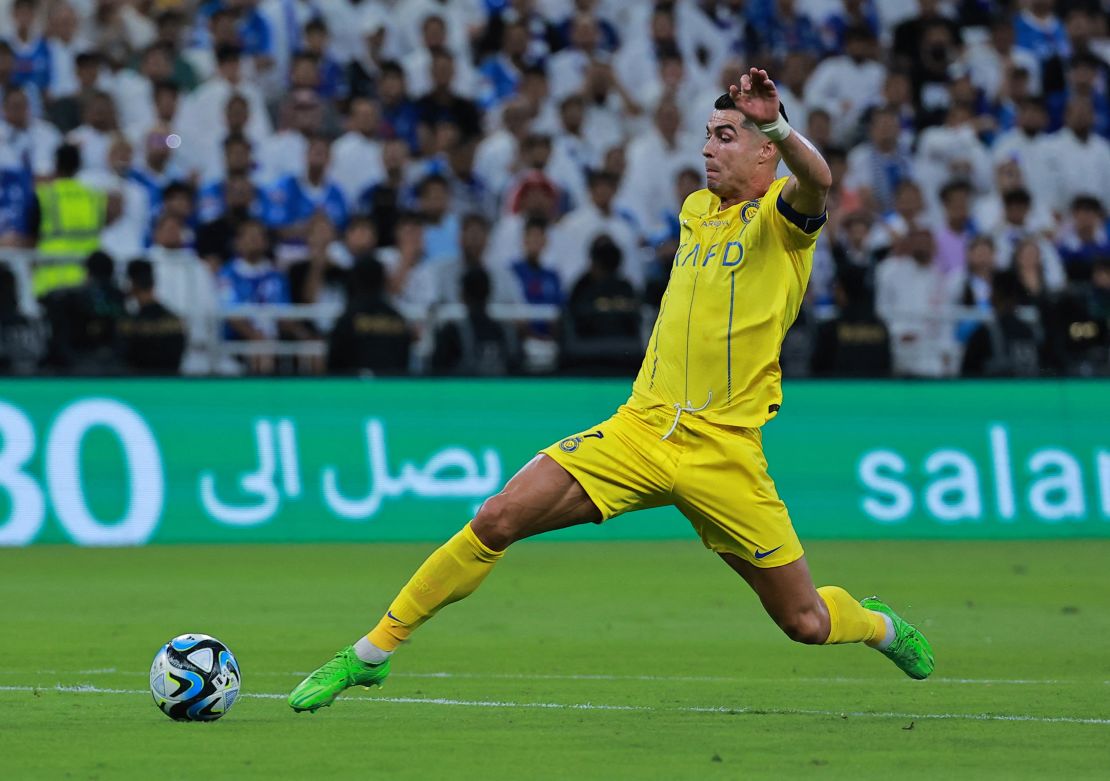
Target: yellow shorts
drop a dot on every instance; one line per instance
(715, 475)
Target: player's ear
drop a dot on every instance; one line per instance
(767, 151)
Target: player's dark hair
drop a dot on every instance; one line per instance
(725, 103)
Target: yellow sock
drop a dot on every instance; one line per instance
(453, 572)
(849, 621)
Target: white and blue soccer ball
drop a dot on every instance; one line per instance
(194, 677)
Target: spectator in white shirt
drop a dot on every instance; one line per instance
(204, 125)
(64, 44)
(94, 137)
(571, 152)
(988, 60)
(493, 161)
(1024, 144)
(1077, 158)
(357, 154)
(187, 287)
(913, 297)
(952, 151)
(1019, 226)
(134, 90)
(124, 236)
(418, 61)
(877, 166)
(654, 159)
(568, 67)
(284, 153)
(844, 85)
(26, 141)
(573, 234)
(988, 209)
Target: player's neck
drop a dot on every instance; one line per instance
(747, 193)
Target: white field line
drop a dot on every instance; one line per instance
(590, 706)
(604, 677)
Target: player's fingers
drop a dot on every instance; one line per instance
(745, 83)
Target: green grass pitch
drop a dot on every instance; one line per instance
(575, 661)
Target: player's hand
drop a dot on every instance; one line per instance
(756, 97)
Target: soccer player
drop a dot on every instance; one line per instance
(689, 435)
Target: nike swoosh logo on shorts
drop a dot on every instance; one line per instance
(762, 554)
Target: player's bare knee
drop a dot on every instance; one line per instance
(497, 522)
(804, 627)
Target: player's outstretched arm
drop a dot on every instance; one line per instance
(757, 99)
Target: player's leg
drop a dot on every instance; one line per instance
(616, 467)
(541, 497)
(830, 615)
(725, 491)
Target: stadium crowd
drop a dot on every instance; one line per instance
(419, 168)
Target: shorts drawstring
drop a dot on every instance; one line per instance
(679, 409)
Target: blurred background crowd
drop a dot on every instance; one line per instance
(491, 186)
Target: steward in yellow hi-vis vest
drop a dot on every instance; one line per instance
(689, 437)
(71, 217)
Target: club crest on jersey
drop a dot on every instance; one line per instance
(570, 444)
(748, 211)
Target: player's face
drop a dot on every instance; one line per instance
(731, 152)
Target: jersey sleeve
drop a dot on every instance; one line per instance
(798, 230)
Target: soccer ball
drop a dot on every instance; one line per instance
(194, 678)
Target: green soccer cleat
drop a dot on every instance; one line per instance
(910, 650)
(343, 671)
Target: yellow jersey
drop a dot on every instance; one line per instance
(736, 285)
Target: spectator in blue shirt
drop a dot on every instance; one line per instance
(333, 76)
(538, 285)
(292, 200)
(1040, 30)
(1086, 76)
(155, 172)
(441, 224)
(787, 31)
(238, 162)
(1084, 242)
(252, 278)
(32, 54)
(400, 116)
(16, 195)
(501, 72)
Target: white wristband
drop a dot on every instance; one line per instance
(777, 130)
